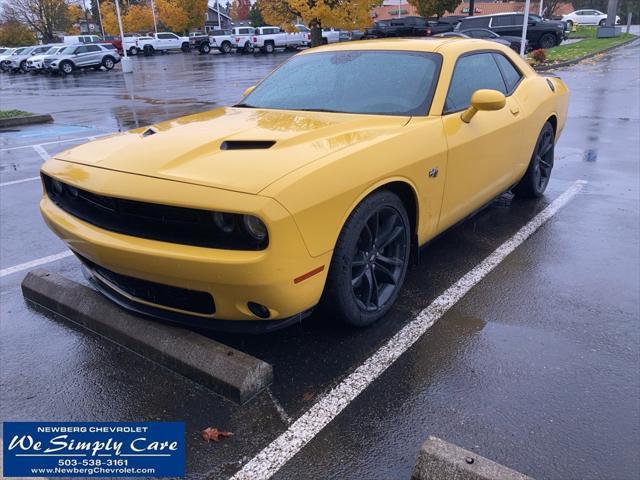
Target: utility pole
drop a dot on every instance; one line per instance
(540, 10)
(100, 18)
(127, 66)
(525, 24)
(612, 9)
(472, 7)
(153, 11)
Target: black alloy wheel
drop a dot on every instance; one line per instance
(547, 40)
(379, 258)
(537, 176)
(370, 260)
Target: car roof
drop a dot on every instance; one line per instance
(449, 45)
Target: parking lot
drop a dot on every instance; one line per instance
(535, 368)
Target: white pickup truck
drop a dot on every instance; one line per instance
(243, 38)
(161, 42)
(223, 40)
(329, 35)
(267, 39)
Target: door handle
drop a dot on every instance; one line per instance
(514, 110)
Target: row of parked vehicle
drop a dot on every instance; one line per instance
(503, 27)
(61, 57)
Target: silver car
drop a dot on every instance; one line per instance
(17, 62)
(82, 56)
(35, 63)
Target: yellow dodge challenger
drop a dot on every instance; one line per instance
(314, 189)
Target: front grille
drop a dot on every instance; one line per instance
(156, 293)
(187, 226)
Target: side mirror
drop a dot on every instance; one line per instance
(249, 90)
(483, 100)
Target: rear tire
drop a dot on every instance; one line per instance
(602, 23)
(225, 47)
(205, 48)
(269, 47)
(370, 260)
(536, 178)
(133, 51)
(148, 51)
(185, 47)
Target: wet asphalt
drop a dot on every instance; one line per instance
(536, 367)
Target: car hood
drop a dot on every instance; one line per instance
(231, 148)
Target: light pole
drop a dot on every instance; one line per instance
(127, 66)
(218, 10)
(540, 11)
(100, 17)
(153, 11)
(525, 24)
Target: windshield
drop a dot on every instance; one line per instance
(534, 18)
(19, 51)
(397, 83)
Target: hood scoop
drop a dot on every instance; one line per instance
(247, 144)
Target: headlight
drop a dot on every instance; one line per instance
(239, 231)
(255, 227)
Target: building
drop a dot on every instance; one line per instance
(215, 11)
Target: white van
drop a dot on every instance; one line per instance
(81, 39)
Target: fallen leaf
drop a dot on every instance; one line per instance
(306, 396)
(214, 434)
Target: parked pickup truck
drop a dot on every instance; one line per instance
(223, 40)
(329, 35)
(243, 38)
(161, 42)
(267, 39)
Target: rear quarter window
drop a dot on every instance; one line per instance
(511, 74)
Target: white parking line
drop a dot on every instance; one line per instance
(14, 182)
(42, 152)
(273, 457)
(34, 263)
(65, 140)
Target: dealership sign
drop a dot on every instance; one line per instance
(93, 449)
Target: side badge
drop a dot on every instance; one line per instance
(433, 173)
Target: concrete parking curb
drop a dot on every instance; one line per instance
(439, 460)
(25, 120)
(568, 63)
(229, 372)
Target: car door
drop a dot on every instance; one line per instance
(589, 17)
(80, 56)
(94, 54)
(484, 155)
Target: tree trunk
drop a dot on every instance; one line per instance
(316, 33)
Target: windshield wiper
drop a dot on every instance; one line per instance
(319, 110)
(244, 105)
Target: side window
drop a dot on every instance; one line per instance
(502, 21)
(475, 22)
(471, 73)
(511, 75)
(82, 49)
(93, 48)
(517, 19)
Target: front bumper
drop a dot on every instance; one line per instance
(232, 277)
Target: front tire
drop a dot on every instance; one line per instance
(185, 47)
(225, 47)
(370, 260)
(148, 50)
(269, 47)
(603, 22)
(205, 48)
(108, 63)
(66, 67)
(538, 173)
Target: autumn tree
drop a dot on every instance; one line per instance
(46, 17)
(347, 14)
(172, 15)
(138, 18)
(16, 34)
(431, 8)
(255, 15)
(196, 11)
(239, 10)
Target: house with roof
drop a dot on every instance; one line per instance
(217, 17)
